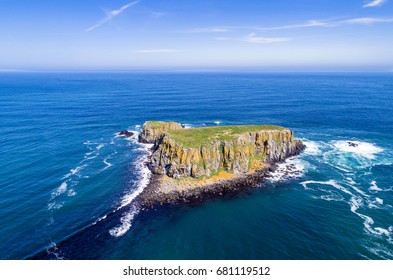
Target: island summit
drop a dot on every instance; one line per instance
(190, 163)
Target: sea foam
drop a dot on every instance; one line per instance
(292, 168)
(364, 149)
(125, 223)
(60, 190)
(144, 179)
(374, 186)
(312, 148)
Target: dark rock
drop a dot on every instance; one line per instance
(351, 144)
(126, 133)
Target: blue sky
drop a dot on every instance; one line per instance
(279, 35)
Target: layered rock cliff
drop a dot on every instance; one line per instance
(153, 130)
(233, 150)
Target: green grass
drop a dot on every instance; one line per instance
(155, 124)
(197, 137)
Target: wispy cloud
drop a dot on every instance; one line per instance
(330, 23)
(206, 30)
(156, 51)
(374, 3)
(311, 23)
(112, 14)
(367, 20)
(157, 15)
(254, 39)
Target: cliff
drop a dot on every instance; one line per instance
(153, 130)
(207, 152)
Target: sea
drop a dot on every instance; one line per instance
(68, 183)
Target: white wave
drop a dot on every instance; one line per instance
(312, 148)
(292, 168)
(53, 250)
(379, 200)
(55, 205)
(381, 231)
(363, 149)
(144, 173)
(99, 219)
(108, 164)
(60, 190)
(100, 146)
(137, 127)
(89, 158)
(331, 197)
(217, 122)
(356, 203)
(332, 183)
(74, 171)
(376, 203)
(90, 143)
(71, 192)
(350, 181)
(187, 125)
(144, 179)
(125, 224)
(374, 186)
(360, 191)
(381, 252)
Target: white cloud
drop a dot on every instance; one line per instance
(330, 23)
(207, 30)
(112, 14)
(367, 20)
(254, 39)
(157, 51)
(374, 3)
(311, 23)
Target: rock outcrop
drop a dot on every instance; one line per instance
(153, 130)
(238, 154)
(126, 133)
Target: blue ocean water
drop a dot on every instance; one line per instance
(67, 181)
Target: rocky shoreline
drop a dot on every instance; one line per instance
(175, 168)
(152, 195)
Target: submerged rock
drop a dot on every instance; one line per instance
(352, 144)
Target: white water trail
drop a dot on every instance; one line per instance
(144, 179)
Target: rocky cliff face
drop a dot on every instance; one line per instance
(246, 152)
(152, 130)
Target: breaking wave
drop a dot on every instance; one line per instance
(127, 200)
(292, 168)
(364, 149)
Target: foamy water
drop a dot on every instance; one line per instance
(363, 149)
(292, 168)
(349, 158)
(127, 200)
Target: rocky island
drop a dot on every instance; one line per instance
(190, 163)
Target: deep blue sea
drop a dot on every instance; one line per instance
(67, 182)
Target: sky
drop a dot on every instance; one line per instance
(279, 35)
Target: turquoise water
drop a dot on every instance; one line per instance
(67, 181)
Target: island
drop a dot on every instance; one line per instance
(188, 164)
